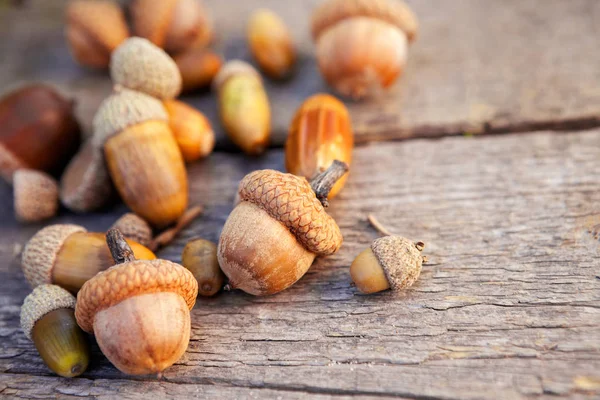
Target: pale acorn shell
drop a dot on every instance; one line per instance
(43, 299)
(400, 259)
(35, 195)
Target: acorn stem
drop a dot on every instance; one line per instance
(323, 183)
(119, 249)
(168, 235)
(378, 226)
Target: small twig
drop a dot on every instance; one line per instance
(323, 183)
(119, 249)
(378, 226)
(168, 235)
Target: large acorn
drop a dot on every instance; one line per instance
(142, 156)
(277, 229)
(138, 310)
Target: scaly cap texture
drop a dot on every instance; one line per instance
(291, 200)
(232, 68)
(130, 279)
(400, 259)
(35, 195)
(139, 65)
(134, 228)
(123, 109)
(40, 252)
(395, 12)
(41, 301)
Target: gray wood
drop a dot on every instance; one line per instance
(476, 67)
(507, 308)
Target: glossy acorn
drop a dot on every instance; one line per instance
(198, 68)
(192, 130)
(199, 256)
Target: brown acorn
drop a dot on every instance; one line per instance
(39, 131)
(199, 256)
(142, 156)
(198, 68)
(93, 30)
(35, 195)
(192, 130)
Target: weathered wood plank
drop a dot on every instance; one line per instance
(476, 67)
(507, 308)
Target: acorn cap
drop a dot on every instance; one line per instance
(138, 64)
(43, 299)
(134, 228)
(400, 259)
(232, 68)
(122, 109)
(129, 279)
(86, 185)
(35, 195)
(395, 12)
(290, 200)
(40, 252)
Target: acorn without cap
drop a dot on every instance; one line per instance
(68, 256)
(392, 262)
(272, 236)
(138, 310)
(192, 130)
(142, 156)
(198, 68)
(199, 256)
(48, 320)
(35, 195)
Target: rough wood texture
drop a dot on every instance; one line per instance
(475, 67)
(507, 308)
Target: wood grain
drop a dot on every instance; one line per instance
(476, 67)
(507, 308)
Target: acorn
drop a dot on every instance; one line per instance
(142, 156)
(48, 320)
(244, 106)
(68, 256)
(271, 43)
(39, 130)
(85, 184)
(35, 195)
(272, 236)
(362, 45)
(93, 30)
(192, 130)
(134, 228)
(392, 262)
(175, 25)
(138, 310)
(199, 256)
(320, 132)
(139, 65)
(198, 68)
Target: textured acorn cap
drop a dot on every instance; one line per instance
(139, 65)
(35, 195)
(43, 299)
(233, 68)
(400, 259)
(134, 278)
(290, 200)
(122, 109)
(40, 252)
(395, 12)
(134, 228)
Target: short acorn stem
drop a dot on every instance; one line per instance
(323, 183)
(119, 249)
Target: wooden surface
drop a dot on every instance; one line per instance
(508, 306)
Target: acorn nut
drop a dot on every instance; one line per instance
(362, 44)
(392, 262)
(198, 68)
(68, 256)
(199, 256)
(244, 106)
(138, 310)
(35, 195)
(192, 130)
(319, 133)
(142, 156)
(134, 228)
(272, 236)
(48, 320)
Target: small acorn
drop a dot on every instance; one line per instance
(48, 320)
(192, 130)
(85, 184)
(392, 262)
(68, 256)
(142, 156)
(244, 106)
(199, 256)
(139, 65)
(138, 310)
(134, 228)
(35, 195)
(198, 68)
(93, 30)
